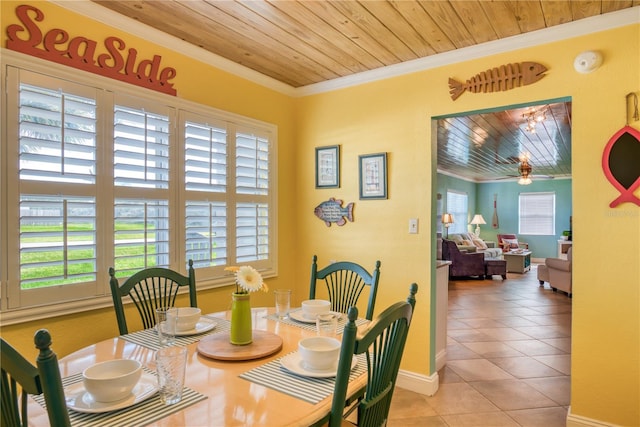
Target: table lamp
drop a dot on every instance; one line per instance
(477, 220)
(447, 220)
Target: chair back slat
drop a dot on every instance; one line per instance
(149, 289)
(383, 343)
(345, 281)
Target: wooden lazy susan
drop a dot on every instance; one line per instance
(217, 346)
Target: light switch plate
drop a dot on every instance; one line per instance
(413, 225)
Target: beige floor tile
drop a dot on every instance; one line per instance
(478, 370)
(512, 394)
(484, 419)
(447, 376)
(469, 335)
(561, 343)
(459, 398)
(556, 388)
(492, 349)
(453, 324)
(542, 332)
(561, 362)
(458, 351)
(417, 422)
(534, 348)
(543, 417)
(525, 367)
(504, 334)
(513, 321)
(482, 322)
(407, 404)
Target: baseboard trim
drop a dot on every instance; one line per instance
(579, 421)
(427, 385)
(441, 359)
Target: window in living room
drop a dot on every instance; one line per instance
(457, 205)
(536, 213)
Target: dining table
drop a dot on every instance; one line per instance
(225, 385)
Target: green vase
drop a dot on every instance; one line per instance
(241, 329)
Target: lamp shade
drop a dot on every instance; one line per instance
(447, 219)
(477, 219)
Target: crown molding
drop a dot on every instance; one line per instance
(569, 30)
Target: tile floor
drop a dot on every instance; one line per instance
(508, 358)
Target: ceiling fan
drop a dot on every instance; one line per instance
(524, 172)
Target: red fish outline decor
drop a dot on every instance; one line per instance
(621, 164)
(499, 79)
(332, 211)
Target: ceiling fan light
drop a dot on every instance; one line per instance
(524, 181)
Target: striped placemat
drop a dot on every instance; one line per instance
(140, 414)
(311, 390)
(342, 321)
(149, 338)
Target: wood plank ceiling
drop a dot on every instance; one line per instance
(302, 42)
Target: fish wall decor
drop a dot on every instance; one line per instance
(621, 164)
(499, 79)
(332, 211)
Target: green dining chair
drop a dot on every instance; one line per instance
(383, 342)
(345, 282)
(20, 379)
(149, 289)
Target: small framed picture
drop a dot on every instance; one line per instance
(373, 176)
(328, 167)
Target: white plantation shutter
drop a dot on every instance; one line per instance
(205, 157)
(141, 235)
(206, 228)
(63, 228)
(537, 212)
(252, 228)
(57, 136)
(141, 148)
(252, 164)
(55, 204)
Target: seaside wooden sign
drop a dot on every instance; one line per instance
(118, 62)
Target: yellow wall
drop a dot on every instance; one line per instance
(393, 116)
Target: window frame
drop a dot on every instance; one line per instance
(97, 294)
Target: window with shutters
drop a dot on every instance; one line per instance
(537, 214)
(102, 176)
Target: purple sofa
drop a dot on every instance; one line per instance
(462, 264)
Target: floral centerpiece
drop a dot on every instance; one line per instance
(248, 280)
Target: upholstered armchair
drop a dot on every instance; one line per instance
(510, 241)
(557, 272)
(462, 264)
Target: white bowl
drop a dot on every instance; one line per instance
(319, 353)
(187, 317)
(112, 380)
(312, 307)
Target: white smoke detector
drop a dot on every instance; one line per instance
(587, 61)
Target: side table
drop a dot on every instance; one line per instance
(518, 262)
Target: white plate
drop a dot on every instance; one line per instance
(293, 363)
(80, 400)
(299, 316)
(204, 324)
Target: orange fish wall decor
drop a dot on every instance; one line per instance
(499, 79)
